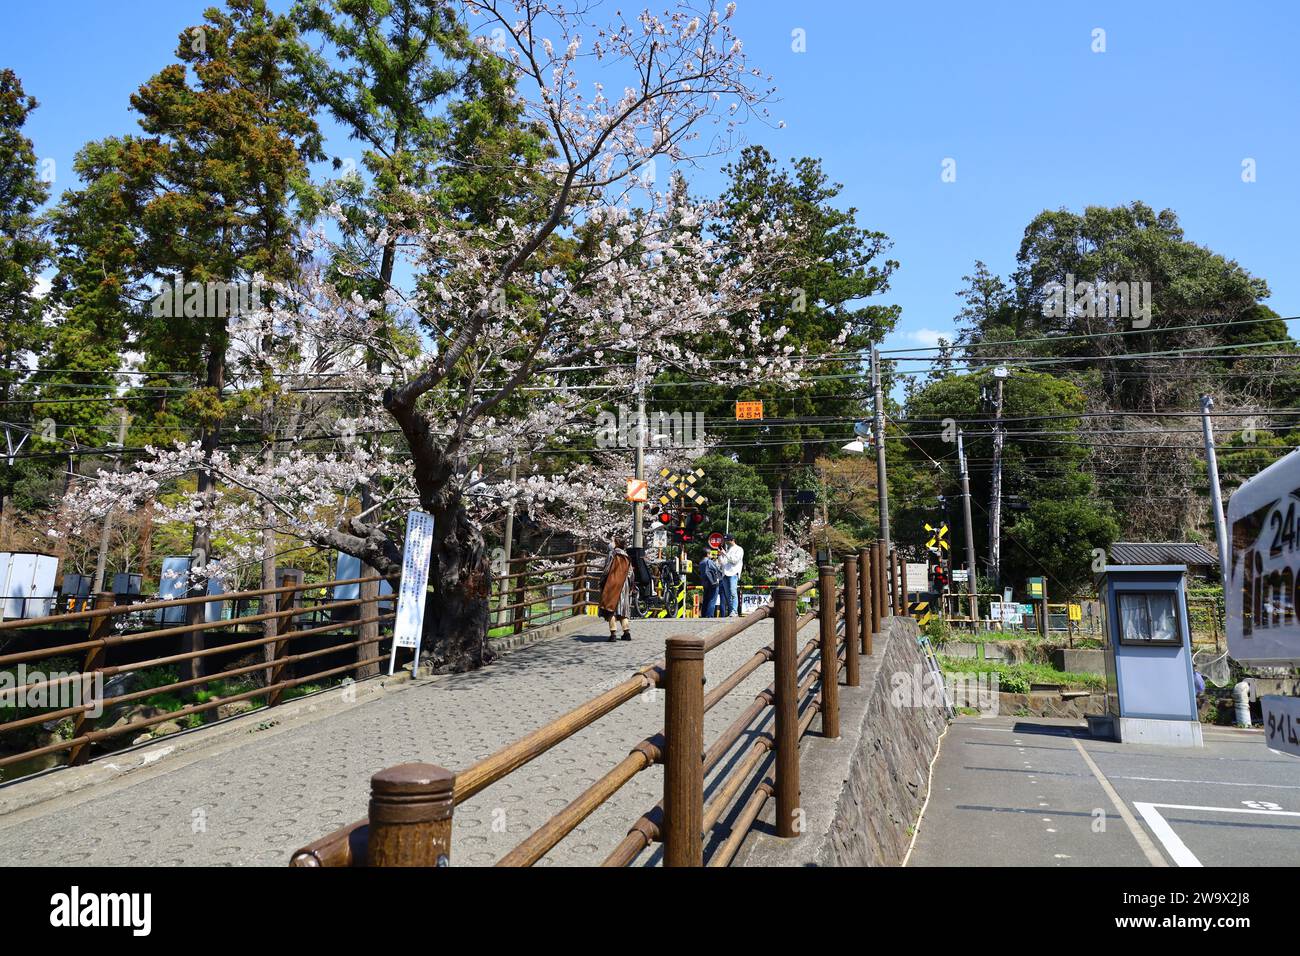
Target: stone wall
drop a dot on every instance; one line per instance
(862, 793)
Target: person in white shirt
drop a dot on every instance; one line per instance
(733, 562)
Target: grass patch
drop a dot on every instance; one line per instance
(1017, 678)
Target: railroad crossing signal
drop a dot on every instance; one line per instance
(938, 542)
(681, 488)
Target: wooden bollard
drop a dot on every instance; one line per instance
(882, 584)
(99, 628)
(786, 684)
(410, 816)
(684, 752)
(904, 604)
(895, 610)
(852, 638)
(830, 659)
(868, 606)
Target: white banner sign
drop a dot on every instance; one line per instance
(1264, 554)
(918, 576)
(1282, 724)
(409, 623)
(959, 575)
(753, 600)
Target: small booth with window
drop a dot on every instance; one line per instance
(1150, 688)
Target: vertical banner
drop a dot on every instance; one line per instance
(409, 623)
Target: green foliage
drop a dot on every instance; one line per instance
(1017, 678)
(1052, 516)
(751, 510)
(820, 304)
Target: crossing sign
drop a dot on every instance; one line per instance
(682, 487)
(638, 490)
(938, 542)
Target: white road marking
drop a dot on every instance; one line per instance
(1171, 840)
(1212, 783)
(1143, 841)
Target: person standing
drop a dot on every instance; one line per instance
(710, 577)
(733, 563)
(616, 589)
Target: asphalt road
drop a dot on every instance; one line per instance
(1015, 791)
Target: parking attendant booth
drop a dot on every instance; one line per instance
(1150, 690)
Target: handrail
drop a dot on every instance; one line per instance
(852, 602)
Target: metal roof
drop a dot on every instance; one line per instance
(1162, 552)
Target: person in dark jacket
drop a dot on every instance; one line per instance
(711, 578)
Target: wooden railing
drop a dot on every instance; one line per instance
(411, 807)
(529, 580)
(109, 649)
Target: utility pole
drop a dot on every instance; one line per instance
(970, 535)
(101, 563)
(995, 508)
(1216, 496)
(638, 508)
(882, 477)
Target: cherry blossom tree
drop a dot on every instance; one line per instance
(508, 338)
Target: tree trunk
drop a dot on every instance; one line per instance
(457, 612)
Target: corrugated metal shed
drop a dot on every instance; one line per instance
(1162, 552)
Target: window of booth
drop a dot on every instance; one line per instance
(1148, 617)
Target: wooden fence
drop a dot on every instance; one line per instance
(307, 651)
(411, 805)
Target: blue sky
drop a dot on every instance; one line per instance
(884, 93)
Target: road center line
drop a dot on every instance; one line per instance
(1144, 842)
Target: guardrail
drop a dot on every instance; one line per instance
(411, 805)
(529, 584)
(364, 616)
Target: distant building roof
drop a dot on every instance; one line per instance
(1162, 552)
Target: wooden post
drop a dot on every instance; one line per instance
(868, 598)
(786, 685)
(902, 585)
(519, 593)
(1042, 625)
(830, 659)
(90, 689)
(368, 634)
(279, 649)
(852, 634)
(883, 567)
(684, 752)
(410, 816)
(895, 579)
(878, 584)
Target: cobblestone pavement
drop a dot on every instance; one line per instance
(261, 799)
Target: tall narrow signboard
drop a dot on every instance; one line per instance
(409, 623)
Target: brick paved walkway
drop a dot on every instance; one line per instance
(261, 799)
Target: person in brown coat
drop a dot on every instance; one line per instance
(616, 589)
